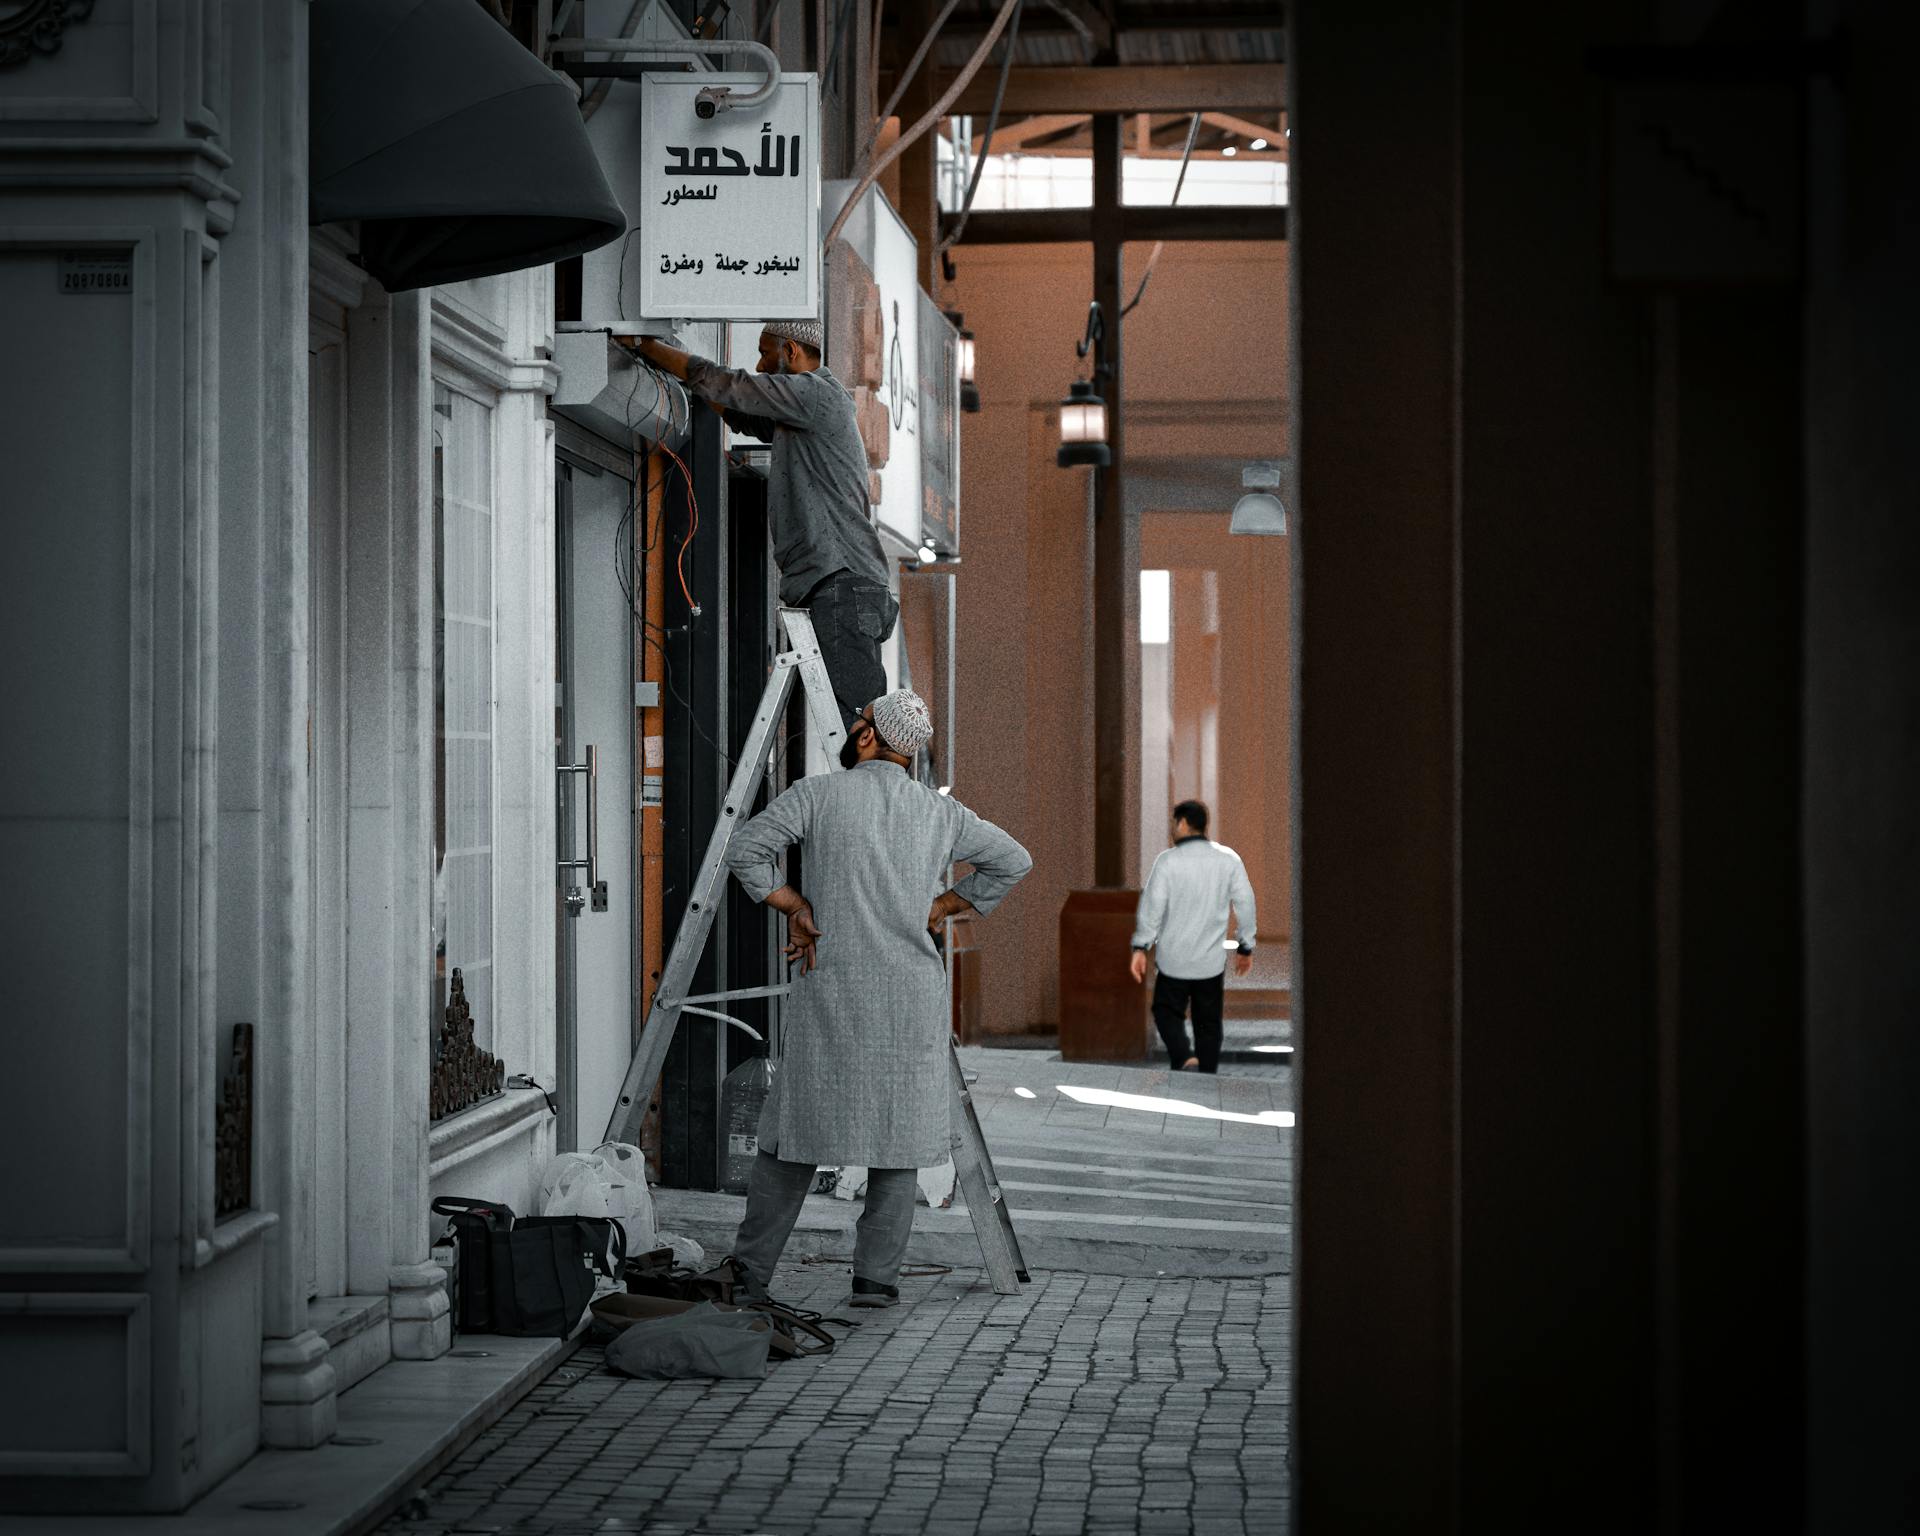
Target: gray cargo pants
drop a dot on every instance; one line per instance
(775, 1192)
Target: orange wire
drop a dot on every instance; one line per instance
(693, 525)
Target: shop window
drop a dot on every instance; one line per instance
(463, 705)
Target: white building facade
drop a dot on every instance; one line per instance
(279, 598)
(291, 662)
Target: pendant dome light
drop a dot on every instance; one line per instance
(1260, 511)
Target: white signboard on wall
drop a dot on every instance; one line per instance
(876, 232)
(728, 226)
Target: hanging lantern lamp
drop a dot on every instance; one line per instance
(1083, 429)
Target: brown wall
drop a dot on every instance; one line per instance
(1204, 363)
(1252, 672)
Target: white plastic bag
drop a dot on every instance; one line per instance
(686, 1251)
(629, 1165)
(609, 1181)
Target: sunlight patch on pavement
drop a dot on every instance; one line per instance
(1148, 1104)
(1026, 1093)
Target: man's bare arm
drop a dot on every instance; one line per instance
(657, 352)
(670, 360)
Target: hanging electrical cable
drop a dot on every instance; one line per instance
(835, 50)
(906, 75)
(934, 113)
(872, 102)
(1179, 181)
(1068, 15)
(952, 237)
(590, 103)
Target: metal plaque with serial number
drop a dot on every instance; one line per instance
(86, 273)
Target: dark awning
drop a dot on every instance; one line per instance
(459, 152)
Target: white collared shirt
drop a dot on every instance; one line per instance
(1183, 910)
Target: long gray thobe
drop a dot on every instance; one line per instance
(863, 1075)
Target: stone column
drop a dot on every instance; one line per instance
(267, 924)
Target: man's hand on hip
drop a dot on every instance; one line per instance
(802, 935)
(947, 904)
(1138, 965)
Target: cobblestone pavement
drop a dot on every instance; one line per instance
(1086, 1404)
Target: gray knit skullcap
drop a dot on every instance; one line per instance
(807, 332)
(903, 721)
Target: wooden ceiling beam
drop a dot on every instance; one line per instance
(1176, 16)
(1129, 88)
(1012, 135)
(1050, 226)
(1240, 125)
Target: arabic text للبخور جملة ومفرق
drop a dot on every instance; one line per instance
(723, 263)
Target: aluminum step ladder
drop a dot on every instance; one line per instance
(979, 1185)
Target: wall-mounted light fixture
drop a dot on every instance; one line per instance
(1083, 414)
(969, 392)
(1260, 510)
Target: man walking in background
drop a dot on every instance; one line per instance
(863, 1077)
(1183, 920)
(830, 558)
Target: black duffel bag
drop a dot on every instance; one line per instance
(530, 1276)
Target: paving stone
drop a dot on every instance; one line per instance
(1086, 1406)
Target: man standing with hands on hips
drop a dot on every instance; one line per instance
(1183, 919)
(830, 558)
(863, 1078)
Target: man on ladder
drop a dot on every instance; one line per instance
(830, 559)
(864, 1078)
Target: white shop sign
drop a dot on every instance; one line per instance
(728, 226)
(888, 249)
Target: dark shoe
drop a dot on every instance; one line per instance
(871, 1293)
(733, 1282)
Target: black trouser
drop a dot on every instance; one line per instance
(852, 618)
(1171, 995)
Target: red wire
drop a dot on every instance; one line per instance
(693, 525)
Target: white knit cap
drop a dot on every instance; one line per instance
(903, 721)
(807, 332)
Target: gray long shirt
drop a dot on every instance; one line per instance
(1183, 910)
(863, 1076)
(817, 483)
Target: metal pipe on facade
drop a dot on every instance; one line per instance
(718, 98)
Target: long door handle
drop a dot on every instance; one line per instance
(591, 863)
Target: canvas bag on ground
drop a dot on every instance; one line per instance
(474, 1224)
(529, 1276)
(701, 1341)
(610, 1181)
